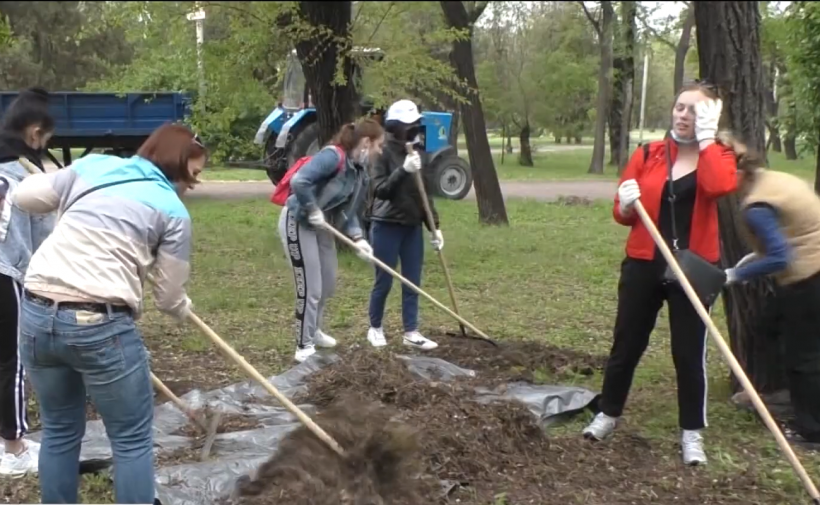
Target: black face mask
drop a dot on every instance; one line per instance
(411, 133)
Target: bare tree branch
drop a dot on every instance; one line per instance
(653, 32)
(477, 10)
(379, 24)
(595, 24)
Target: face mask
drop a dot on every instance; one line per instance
(363, 156)
(681, 141)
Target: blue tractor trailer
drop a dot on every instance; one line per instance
(114, 123)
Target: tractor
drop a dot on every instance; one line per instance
(292, 131)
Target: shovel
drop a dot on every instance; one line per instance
(727, 354)
(344, 238)
(431, 223)
(210, 427)
(254, 373)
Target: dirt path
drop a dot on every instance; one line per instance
(540, 190)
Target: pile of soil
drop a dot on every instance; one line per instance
(414, 442)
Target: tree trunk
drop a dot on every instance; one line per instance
(509, 141)
(728, 41)
(454, 129)
(503, 141)
(623, 75)
(525, 152)
(491, 207)
(772, 122)
(817, 170)
(596, 165)
(683, 47)
(629, 10)
(790, 145)
(335, 105)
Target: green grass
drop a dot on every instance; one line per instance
(551, 276)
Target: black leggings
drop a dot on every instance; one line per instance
(799, 307)
(13, 420)
(641, 293)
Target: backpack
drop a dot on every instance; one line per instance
(282, 191)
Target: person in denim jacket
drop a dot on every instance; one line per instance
(331, 187)
(26, 129)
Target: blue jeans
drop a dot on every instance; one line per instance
(68, 352)
(391, 243)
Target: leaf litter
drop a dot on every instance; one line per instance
(409, 441)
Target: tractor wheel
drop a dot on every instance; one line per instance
(305, 144)
(452, 177)
(275, 161)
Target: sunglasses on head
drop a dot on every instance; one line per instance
(198, 141)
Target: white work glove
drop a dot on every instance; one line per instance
(706, 119)
(364, 251)
(412, 163)
(628, 194)
(437, 240)
(316, 218)
(746, 259)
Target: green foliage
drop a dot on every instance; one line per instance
(802, 49)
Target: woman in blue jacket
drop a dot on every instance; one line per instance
(26, 129)
(332, 185)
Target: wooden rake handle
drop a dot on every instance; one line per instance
(344, 238)
(184, 407)
(727, 354)
(428, 212)
(254, 373)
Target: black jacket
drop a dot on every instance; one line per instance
(395, 197)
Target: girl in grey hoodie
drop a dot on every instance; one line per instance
(25, 131)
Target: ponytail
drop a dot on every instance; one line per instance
(748, 160)
(351, 134)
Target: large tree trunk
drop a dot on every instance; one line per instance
(817, 169)
(525, 152)
(683, 47)
(629, 10)
(772, 122)
(729, 52)
(790, 145)
(335, 105)
(491, 207)
(454, 126)
(596, 164)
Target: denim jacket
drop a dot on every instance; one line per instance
(21, 233)
(340, 195)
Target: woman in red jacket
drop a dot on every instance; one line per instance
(700, 171)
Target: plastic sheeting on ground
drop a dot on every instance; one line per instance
(240, 453)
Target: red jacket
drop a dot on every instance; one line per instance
(717, 176)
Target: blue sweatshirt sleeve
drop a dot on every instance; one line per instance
(762, 219)
(321, 166)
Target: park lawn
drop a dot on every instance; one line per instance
(551, 276)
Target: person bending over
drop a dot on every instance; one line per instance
(330, 188)
(398, 215)
(120, 219)
(781, 214)
(678, 180)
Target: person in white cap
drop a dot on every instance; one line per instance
(397, 215)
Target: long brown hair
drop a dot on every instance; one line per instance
(169, 148)
(352, 133)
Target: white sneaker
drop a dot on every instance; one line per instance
(322, 339)
(376, 337)
(601, 427)
(23, 463)
(415, 339)
(692, 447)
(303, 353)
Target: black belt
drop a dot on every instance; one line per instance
(101, 308)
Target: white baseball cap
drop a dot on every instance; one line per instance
(404, 111)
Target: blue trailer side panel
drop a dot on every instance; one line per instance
(109, 114)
